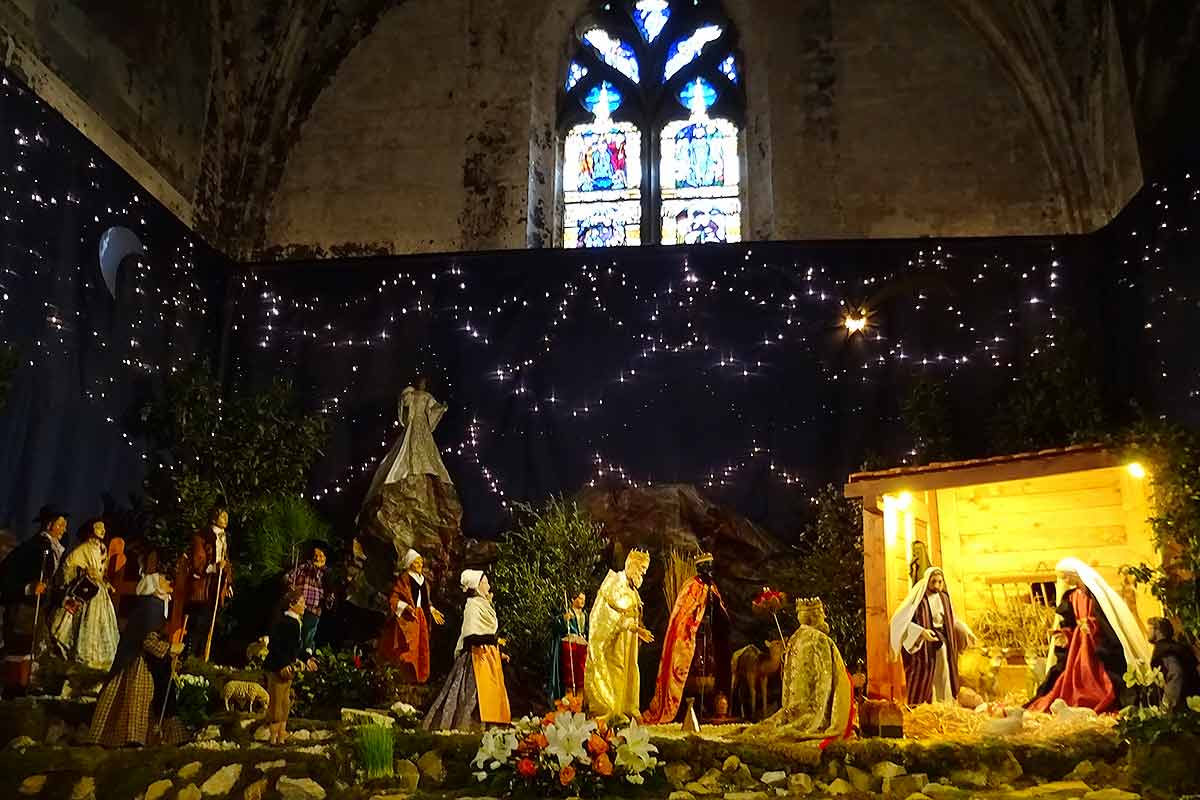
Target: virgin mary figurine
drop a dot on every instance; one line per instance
(414, 453)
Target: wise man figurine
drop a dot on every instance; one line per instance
(204, 583)
(696, 645)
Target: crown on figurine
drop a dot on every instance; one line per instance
(809, 605)
(703, 558)
(637, 557)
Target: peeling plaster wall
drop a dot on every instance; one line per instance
(121, 77)
(867, 118)
(893, 119)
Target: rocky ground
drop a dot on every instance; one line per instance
(230, 759)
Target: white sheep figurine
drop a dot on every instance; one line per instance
(244, 694)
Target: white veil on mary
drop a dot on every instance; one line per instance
(1133, 641)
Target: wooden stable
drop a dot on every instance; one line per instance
(996, 525)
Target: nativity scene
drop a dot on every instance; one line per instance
(680, 399)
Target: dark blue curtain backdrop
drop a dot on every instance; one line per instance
(86, 360)
(725, 367)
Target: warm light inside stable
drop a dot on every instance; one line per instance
(1136, 470)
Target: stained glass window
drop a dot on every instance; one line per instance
(651, 17)
(619, 129)
(603, 179)
(575, 73)
(729, 68)
(701, 174)
(615, 53)
(688, 49)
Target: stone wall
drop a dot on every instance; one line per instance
(866, 119)
(291, 128)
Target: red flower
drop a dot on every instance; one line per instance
(357, 661)
(526, 768)
(602, 765)
(596, 745)
(566, 775)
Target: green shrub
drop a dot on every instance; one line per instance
(550, 552)
(275, 537)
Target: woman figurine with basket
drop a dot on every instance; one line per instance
(85, 627)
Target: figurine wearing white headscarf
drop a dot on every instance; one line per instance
(404, 641)
(474, 694)
(1096, 639)
(928, 639)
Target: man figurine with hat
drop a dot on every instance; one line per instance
(696, 645)
(404, 640)
(25, 575)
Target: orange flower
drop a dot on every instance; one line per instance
(596, 745)
(602, 727)
(539, 741)
(526, 768)
(602, 765)
(560, 705)
(576, 703)
(548, 719)
(566, 775)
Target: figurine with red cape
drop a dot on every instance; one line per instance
(696, 646)
(1097, 638)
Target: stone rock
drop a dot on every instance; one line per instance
(699, 789)
(208, 734)
(917, 796)
(969, 698)
(774, 778)
(256, 790)
(246, 723)
(744, 779)
(1083, 770)
(712, 778)
(678, 773)
(222, 781)
(32, 786)
(85, 789)
(970, 778)
(301, 735)
(262, 734)
(407, 775)
(358, 716)
(904, 785)
(800, 783)
(433, 771)
(299, 789)
(55, 732)
(746, 796)
(731, 764)
(1006, 772)
(21, 743)
(1056, 790)
(418, 511)
(189, 792)
(840, 786)
(887, 769)
(681, 796)
(390, 796)
(940, 791)
(1111, 794)
(267, 766)
(861, 781)
(157, 790)
(189, 771)
(322, 735)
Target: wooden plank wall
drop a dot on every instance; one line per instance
(1097, 516)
